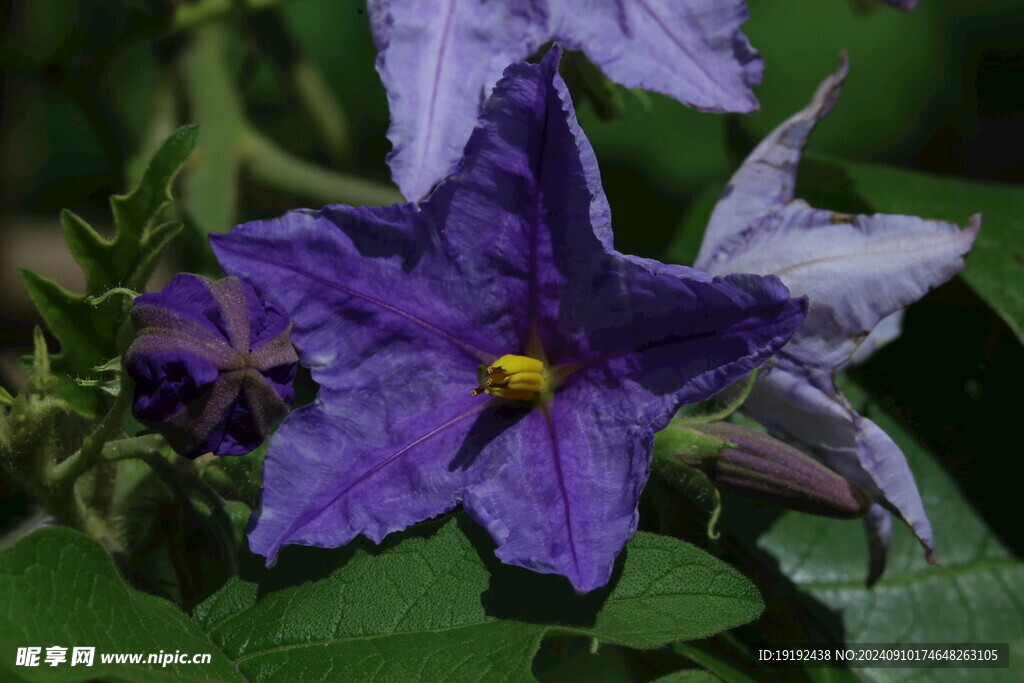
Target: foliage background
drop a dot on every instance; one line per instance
(89, 87)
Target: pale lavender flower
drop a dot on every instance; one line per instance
(439, 60)
(858, 273)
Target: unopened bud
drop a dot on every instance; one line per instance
(761, 467)
(213, 365)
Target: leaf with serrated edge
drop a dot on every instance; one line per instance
(90, 250)
(87, 333)
(135, 212)
(61, 588)
(974, 597)
(151, 249)
(69, 318)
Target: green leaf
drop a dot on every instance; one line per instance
(136, 212)
(995, 266)
(689, 676)
(721, 668)
(87, 331)
(429, 606)
(86, 335)
(433, 606)
(128, 259)
(91, 251)
(60, 588)
(975, 596)
(150, 250)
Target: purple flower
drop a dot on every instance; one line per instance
(212, 363)
(858, 272)
(439, 59)
(489, 347)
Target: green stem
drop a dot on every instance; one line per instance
(66, 473)
(188, 15)
(272, 165)
(147, 449)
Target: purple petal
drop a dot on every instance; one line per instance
(691, 50)
(666, 338)
(166, 381)
(856, 270)
(196, 381)
(438, 60)
(188, 299)
(340, 468)
(803, 404)
(394, 308)
(558, 490)
(767, 178)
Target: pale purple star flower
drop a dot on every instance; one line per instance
(859, 273)
(439, 59)
(489, 347)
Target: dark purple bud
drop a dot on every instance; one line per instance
(213, 365)
(761, 467)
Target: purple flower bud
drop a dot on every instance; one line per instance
(213, 365)
(761, 467)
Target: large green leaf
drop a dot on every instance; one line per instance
(61, 589)
(974, 597)
(435, 606)
(995, 266)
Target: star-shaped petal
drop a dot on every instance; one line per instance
(439, 60)
(396, 309)
(859, 273)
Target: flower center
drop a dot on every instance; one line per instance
(515, 377)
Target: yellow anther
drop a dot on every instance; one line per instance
(510, 365)
(514, 377)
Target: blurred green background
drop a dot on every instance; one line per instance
(293, 114)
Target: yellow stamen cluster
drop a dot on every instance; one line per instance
(515, 377)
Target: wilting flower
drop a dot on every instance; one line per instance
(858, 272)
(212, 363)
(489, 347)
(439, 59)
